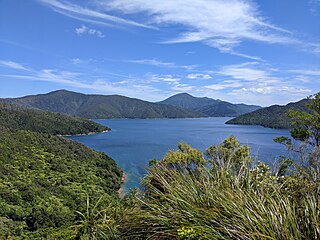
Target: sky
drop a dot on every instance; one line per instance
(241, 51)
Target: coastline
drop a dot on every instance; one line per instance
(124, 178)
(83, 134)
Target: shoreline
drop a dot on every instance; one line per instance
(83, 134)
(124, 178)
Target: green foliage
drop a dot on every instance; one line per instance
(232, 199)
(99, 221)
(306, 126)
(15, 117)
(100, 106)
(45, 179)
(207, 106)
(186, 156)
(274, 116)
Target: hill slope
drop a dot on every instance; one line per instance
(100, 106)
(46, 178)
(274, 116)
(16, 117)
(208, 106)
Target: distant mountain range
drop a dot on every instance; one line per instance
(274, 116)
(209, 107)
(100, 106)
(116, 106)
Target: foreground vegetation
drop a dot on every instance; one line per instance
(222, 193)
(45, 179)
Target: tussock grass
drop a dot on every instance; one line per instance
(231, 200)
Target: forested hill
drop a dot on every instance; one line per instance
(45, 179)
(17, 117)
(207, 106)
(100, 106)
(274, 116)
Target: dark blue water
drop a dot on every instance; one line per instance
(133, 142)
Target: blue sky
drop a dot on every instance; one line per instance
(256, 52)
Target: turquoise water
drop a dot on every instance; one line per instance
(133, 142)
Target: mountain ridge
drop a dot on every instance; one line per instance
(275, 116)
(100, 106)
(207, 106)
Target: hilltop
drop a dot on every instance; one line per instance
(275, 116)
(207, 106)
(100, 106)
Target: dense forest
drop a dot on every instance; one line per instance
(273, 117)
(208, 107)
(45, 179)
(100, 106)
(54, 188)
(16, 117)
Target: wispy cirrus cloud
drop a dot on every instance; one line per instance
(159, 63)
(89, 15)
(272, 89)
(162, 78)
(257, 79)
(249, 71)
(126, 86)
(221, 24)
(247, 82)
(84, 30)
(13, 65)
(313, 72)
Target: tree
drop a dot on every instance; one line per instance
(306, 131)
(305, 125)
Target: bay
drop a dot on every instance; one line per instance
(133, 142)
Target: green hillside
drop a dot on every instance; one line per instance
(100, 106)
(273, 117)
(16, 117)
(45, 179)
(207, 106)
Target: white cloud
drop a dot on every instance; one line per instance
(273, 89)
(224, 85)
(314, 7)
(198, 76)
(90, 31)
(160, 78)
(127, 86)
(13, 65)
(315, 72)
(251, 82)
(223, 24)
(76, 61)
(89, 15)
(158, 63)
(247, 72)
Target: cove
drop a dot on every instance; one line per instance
(133, 142)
